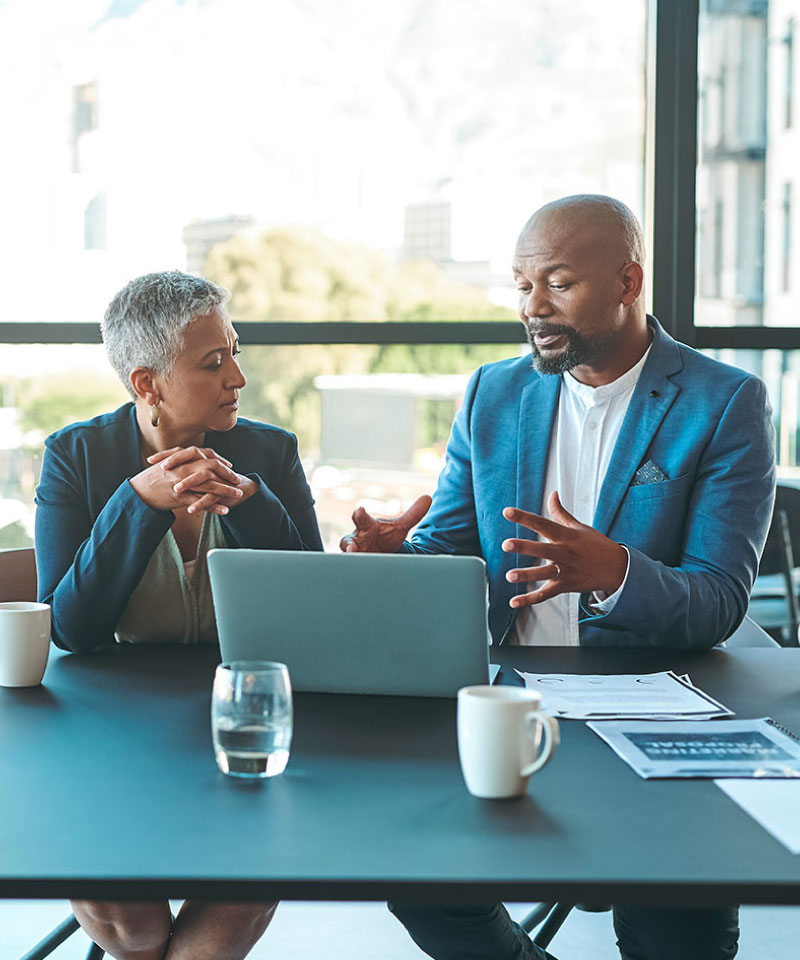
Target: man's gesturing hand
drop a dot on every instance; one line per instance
(576, 558)
(376, 535)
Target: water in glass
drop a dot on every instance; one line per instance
(253, 747)
(251, 718)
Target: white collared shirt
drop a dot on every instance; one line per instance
(585, 432)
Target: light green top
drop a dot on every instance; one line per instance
(172, 603)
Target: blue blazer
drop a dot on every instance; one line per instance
(95, 535)
(694, 538)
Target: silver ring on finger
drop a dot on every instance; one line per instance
(557, 569)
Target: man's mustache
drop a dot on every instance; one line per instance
(548, 330)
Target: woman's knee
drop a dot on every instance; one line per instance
(253, 917)
(125, 929)
(224, 929)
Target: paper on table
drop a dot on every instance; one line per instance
(771, 803)
(494, 669)
(661, 696)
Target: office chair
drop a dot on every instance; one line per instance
(56, 937)
(774, 604)
(550, 916)
(749, 634)
(17, 575)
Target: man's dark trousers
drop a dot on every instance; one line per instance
(643, 933)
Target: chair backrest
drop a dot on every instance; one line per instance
(787, 500)
(780, 551)
(749, 634)
(17, 574)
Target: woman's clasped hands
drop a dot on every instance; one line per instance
(195, 478)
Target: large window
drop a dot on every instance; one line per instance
(748, 165)
(146, 132)
(747, 291)
(339, 164)
(731, 183)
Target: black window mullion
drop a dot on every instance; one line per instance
(675, 165)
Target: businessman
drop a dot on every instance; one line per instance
(619, 489)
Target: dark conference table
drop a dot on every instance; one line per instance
(109, 789)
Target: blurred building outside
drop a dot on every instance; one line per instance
(748, 178)
(382, 443)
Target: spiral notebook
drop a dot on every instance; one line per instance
(711, 749)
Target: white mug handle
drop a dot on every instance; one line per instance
(550, 741)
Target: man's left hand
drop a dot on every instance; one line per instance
(576, 558)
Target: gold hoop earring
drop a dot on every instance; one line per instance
(154, 418)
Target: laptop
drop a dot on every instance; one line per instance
(358, 622)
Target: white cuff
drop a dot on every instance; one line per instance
(599, 602)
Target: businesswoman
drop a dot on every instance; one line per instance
(128, 506)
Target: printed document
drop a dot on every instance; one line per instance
(652, 696)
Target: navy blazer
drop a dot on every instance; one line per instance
(689, 490)
(95, 535)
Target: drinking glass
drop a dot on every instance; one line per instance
(251, 718)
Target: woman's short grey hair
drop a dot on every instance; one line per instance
(146, 320)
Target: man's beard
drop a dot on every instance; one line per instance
(580, 349)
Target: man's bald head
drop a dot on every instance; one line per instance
(578, 270)
(602, 220)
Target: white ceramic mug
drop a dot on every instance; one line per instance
(503, 737)
(24, 643)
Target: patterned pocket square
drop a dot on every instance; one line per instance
(648, 473)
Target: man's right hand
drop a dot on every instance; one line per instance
(378, 535)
